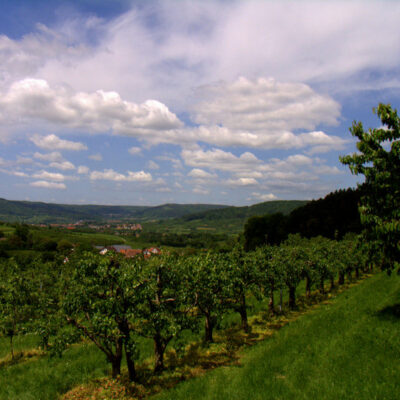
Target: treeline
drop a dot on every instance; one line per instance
(195, 240)
(23, 238)
(111, 300)
(331, 217)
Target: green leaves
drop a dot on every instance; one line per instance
(379, 162)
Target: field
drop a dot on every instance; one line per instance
(346, 348)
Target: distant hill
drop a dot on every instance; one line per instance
(176, 217)
(268, 207)
(224, 220)
(37, 212)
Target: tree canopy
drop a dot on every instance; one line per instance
(378, 159)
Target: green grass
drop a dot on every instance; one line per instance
(21, 342)
(46, 378)
(346, 349)
(7, 230)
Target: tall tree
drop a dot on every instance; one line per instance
(378, 160)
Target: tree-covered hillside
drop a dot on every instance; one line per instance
(37, 212)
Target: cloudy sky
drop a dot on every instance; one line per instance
(148, 102)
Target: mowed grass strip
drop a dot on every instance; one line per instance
(348, 348)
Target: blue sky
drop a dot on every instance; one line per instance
(149, 102)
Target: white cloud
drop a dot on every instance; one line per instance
(53, 142)
(262, 196)
(242, 182)
(264, 105)
(51, 176)
(54, 156)
(65, 165)
(190, 45)
(20, 174)
(252, 113)
(220, 160)
(83, 169)
(24, 160)
(34, 99)
(48, 185)
(96, 157)
(152, 165)
(200, 174)
(109, 174)
(135, 150)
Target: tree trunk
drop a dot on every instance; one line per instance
(209, 329)
(271, 304)
(349, 275)
(131, 364)
(159, 348)
(341, 278)
(308, 286)
(12, 347)
(322, 286)
(117, 358)
(116, 366)
(243, 313)
(280, 300)
(332, 283)
(357, 273)
(292, 297)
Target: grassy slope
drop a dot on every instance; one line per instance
(348, 349)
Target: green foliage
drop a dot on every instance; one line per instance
(100, 301)
(378, 161)
(15, 301)
(164, 311)
(269, 229)
(206, 281)
(332, 217)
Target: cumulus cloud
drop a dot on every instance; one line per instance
(100, 111)
(262, 196)
(53, 142)
(83, 169)
(252, 113)
(264, 113)
(264, 105)
(54, 156)
(48, 185)
(64, 165)
(50, 176)
(135, 150)
(242, 182)
(110, 174)
(198, 173)
(219, 160)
